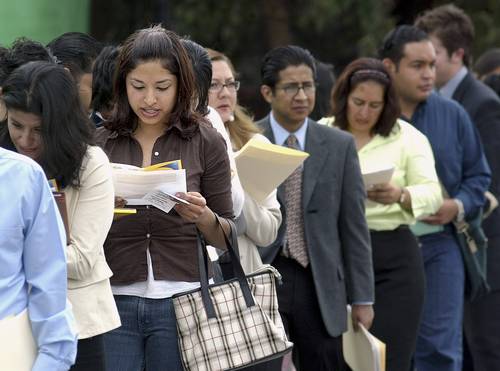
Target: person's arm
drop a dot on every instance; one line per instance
(262, 219)
(93, 215)
(423, 186)
(215, 195)
(355, 240)
(421, 195)
(476, 174)
(237, 192)
(45, 269)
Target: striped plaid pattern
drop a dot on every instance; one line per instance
(238, 336)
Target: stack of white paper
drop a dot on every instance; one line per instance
(140, 187)
(380, 175)
(18, 349)
(362, 350)
(262, 166)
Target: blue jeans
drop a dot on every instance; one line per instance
(147, 339)
(439, 343)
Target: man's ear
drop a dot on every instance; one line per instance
(267, 93)
(389, 64)
(458, 56)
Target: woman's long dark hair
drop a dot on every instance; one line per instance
(48, 91)
(155, 44)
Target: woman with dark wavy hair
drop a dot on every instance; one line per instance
(45, 121)
(364, 104)
(153, 254)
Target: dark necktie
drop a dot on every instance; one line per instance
(295, 242)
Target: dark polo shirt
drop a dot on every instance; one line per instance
(171, 240)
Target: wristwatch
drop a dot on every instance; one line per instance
(402, 198)
(461, 212)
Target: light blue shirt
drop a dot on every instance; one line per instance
(281, 134)
(448, 89)
(33, 262)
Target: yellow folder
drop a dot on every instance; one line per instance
(362, 350)
(262, 166)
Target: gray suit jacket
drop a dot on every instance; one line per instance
(335, 227)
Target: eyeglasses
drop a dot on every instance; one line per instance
(292, 89)
(216, 87)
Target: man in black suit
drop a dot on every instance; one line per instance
(323, 248)
(452, 33)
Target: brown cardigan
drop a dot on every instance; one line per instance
(171, 240)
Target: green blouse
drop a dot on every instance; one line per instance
(409, 151)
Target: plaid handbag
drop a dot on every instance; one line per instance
(233, 324)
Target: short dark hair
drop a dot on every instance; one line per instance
(202, 68)
(155, 44)
(22, 50)
(493, 81)
(393, 46)
(487, 62)
(358, 71)
(452, 26)
(77, 51)
(102, 78)
(280, 58)
(326, 80)
(48, 91)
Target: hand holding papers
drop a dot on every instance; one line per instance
(154, 185)
(262, 166)
(362, 350)
(163, 199)
(60, 199)
(372, 177)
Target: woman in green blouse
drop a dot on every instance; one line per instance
(364, 103)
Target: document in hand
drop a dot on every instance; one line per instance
(379, 175)
(262, 166)
(60, 198)
(18, 349)
(134, 184)
(362, 350)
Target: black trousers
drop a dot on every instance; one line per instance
(399, 294)
(90, 355)
(315, 349)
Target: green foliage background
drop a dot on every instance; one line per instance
(335, 31)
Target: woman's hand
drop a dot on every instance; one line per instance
(197, 211)
(385, 193)
(120, 202)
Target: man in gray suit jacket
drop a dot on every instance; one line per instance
(323, 247)
(452, 33)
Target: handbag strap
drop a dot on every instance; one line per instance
(239, 274)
